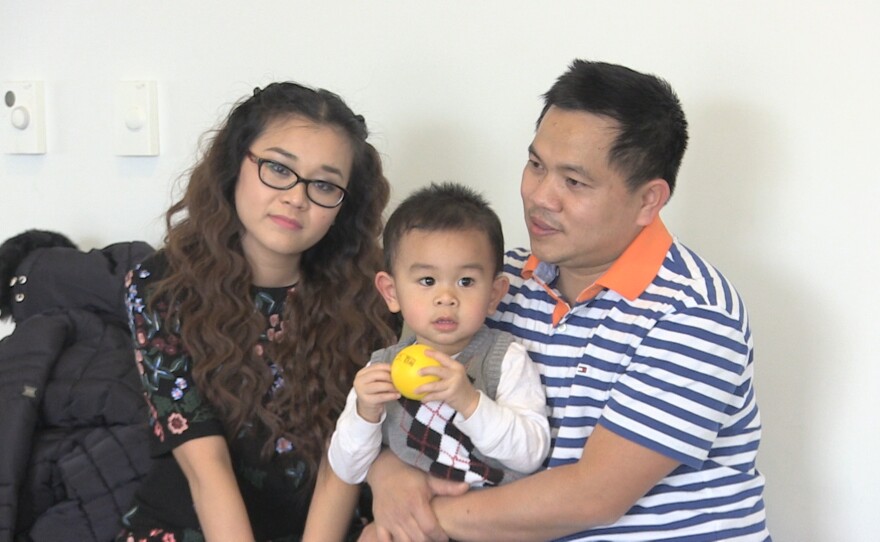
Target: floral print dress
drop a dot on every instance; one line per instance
(275, 492)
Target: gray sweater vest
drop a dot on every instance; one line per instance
(416, 444)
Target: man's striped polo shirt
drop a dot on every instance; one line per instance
(658, 351)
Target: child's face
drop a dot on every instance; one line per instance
(444, 285)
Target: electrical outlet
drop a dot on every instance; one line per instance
(136, 119)
(23, 122)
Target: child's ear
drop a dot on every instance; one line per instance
(385, 284)
(499, 288)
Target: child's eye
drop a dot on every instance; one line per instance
(466, 282)
(426, 281)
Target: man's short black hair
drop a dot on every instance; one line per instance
(652, 134)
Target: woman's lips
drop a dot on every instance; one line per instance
(286, 223)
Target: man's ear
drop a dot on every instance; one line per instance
(653, 194)
(385, 284)
(499, 288)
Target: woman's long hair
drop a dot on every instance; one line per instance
(332, 320)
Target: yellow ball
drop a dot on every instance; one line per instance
(405, 370)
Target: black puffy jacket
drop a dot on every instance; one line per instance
(73, 432)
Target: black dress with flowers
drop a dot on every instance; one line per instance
(275, 492)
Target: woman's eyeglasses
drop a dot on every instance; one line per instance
(280, 177)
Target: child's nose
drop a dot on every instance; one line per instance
(446, 297)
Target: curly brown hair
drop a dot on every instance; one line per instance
(333, 319)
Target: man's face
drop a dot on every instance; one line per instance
(579, 211)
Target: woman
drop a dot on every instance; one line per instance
(251, 322)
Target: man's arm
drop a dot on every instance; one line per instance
(610, 477)
(402, 501)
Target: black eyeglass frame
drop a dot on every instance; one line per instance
(299, 179)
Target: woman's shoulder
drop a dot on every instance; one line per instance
(152, 267)
(144, 275)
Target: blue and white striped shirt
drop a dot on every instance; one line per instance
(662, 358)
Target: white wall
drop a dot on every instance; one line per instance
(778, 188)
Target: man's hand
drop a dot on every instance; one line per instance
(402, 502)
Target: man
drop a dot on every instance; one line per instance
(644, 349)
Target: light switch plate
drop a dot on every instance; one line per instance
(23, 117)
(136, 119)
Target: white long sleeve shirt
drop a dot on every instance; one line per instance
(512, 429)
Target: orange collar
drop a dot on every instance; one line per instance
(629, 275)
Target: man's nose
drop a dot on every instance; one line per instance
(543, 192)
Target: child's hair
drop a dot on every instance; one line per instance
(443, 207)
(332, 320)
